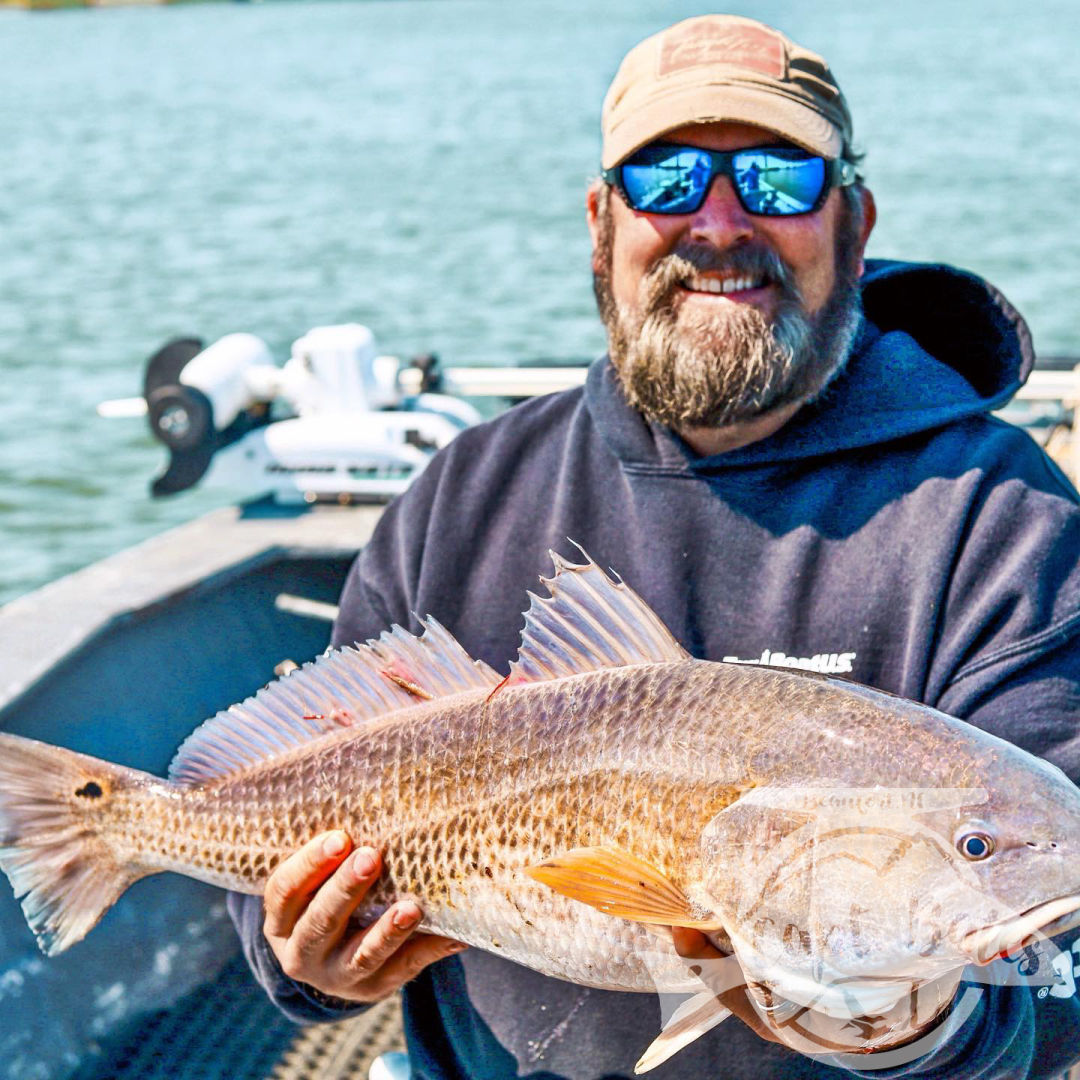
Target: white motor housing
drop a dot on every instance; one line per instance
(341, 426)
(221, 372)
(337, 369)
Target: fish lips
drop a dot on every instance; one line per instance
(1042, 921)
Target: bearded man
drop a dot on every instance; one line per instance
(791, 456)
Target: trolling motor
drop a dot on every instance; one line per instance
(338, 421)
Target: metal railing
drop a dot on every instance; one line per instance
(1047, 405)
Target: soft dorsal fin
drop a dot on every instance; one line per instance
(588, 622)
(339, 689)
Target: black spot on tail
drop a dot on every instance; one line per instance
(90, 790)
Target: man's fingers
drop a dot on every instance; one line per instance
(420, 951)
(693, 944)
(322, 924)
(309, 901)
(374, 945)
(737, 999)
(391, 955)
(290, 886)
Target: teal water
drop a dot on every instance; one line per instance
(419, 166)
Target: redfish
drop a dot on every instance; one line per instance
(847, 849)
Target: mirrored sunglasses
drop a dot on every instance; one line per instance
(773, 181)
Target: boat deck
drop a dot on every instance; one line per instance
(228, 1030)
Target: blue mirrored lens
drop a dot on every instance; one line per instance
(667, 181)
(770, 183)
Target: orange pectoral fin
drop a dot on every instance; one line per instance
(620, 885)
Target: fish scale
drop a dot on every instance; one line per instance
(609, 787)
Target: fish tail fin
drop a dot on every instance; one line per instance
(58, 832)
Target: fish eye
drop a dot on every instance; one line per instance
(975, 845)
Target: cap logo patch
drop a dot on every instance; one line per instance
(743, 46)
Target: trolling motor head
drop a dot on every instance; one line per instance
(197, 403)
(333, 423)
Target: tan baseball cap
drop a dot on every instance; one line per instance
(723, 68)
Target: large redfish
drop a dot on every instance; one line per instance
(848, 847)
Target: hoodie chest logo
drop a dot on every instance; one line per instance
(829, 663)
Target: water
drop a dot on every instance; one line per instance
(419, 166)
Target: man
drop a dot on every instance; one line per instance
(792, 458)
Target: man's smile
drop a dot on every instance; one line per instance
(732, 286)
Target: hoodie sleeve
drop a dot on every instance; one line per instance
(1030, 694)
(299, 1002)
(1007, 653)
(995, 1042)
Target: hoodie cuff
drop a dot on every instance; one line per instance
(301, 1003)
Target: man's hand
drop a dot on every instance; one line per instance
(693, 945)
(309, 899)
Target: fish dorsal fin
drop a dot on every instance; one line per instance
(339, 689)
(434, 662)
(619, 884)
(588, 622)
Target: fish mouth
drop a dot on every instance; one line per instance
(1042, 921)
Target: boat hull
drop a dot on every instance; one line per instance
(122, 660)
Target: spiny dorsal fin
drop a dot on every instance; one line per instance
(588, 622)
(339, 689)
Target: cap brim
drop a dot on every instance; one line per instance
(720, 103)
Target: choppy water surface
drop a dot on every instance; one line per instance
(419, 166)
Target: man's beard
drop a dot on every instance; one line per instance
(688, 368)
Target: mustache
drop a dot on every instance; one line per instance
(670, 271)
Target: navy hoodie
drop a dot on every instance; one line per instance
(893, 531)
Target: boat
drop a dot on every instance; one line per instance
(123, 658)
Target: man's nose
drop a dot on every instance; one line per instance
(721, 219)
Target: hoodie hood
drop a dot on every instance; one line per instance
(936, 345)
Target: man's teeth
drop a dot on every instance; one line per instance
(726, 285)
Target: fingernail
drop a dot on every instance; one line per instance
(406, 916)
(334, 844)
(364, 862)
(458, 946)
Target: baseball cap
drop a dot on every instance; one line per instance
(723, 68)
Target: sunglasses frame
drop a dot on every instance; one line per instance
(838, 173)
